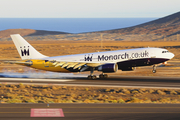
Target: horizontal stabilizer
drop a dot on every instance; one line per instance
(19, 62)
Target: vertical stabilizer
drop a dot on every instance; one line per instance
(25, 50)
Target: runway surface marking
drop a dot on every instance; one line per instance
(95, 111)
(30, 79)
(68, 80)
(48, 112)
(95, 85)
(151, 83)
(89, 112)
(121, 112)
(122, 83)
(92, 107)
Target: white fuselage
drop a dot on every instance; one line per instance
(117, 56)
(108, 61)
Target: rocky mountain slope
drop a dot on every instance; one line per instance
(165, 27)
(27, 32)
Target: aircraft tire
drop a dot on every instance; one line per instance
(92, 77)
(89, 77)
(105, 76)
(154, 71)
(101, 76)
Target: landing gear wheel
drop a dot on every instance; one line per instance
(89, 77)
(103, 76)
(154, 71)
(92, 77)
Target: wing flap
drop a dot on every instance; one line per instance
(76, 64)
(66, 64)
(71, 65)
(60, 64)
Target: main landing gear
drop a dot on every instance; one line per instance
(103, 76)
(154, 69)
(93, 77)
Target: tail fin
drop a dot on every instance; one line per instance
(25, 50)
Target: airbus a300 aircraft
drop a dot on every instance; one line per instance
(106, 62)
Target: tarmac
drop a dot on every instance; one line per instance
(94, 111)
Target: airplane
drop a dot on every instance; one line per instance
(106, 62)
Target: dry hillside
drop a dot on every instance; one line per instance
(27, 32)
(165, 27)
(168, 25)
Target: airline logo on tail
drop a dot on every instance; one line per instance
(24, 52)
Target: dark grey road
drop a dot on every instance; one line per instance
(112, 81)
(95, 111)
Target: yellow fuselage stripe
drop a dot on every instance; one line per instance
(48, 66)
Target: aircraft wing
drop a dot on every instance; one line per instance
(82, 66)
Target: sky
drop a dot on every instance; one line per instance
(88, 8)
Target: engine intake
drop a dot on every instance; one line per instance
(108, 68)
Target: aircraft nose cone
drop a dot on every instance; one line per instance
(171, 55)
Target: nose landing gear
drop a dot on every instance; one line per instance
(154, 69)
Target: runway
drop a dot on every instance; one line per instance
(94, 111)
(112, 81)
(76, 111)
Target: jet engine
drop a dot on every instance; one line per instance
(108, 68)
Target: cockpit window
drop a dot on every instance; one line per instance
(165, 51)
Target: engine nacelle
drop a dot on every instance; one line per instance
(108, 68)
(128, 69)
